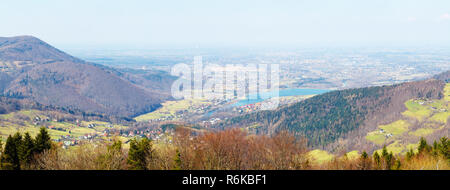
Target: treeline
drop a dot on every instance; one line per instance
(20, 151)
(229, 150)
(428, 157)
(225, 150)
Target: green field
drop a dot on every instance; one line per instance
(399, 148)
(395, 147)
(396, 128)
(170, 108)
(376, 137)
(430, 113)
(415, 110)
(447, 92)
(352, 155)
(422, 132)
(5, 131)
(441, 117)
(320, 156)
(21, 121)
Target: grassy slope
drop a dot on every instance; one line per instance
(320, 156)
(170, 108)
(433, 120)
(20, 121)
(396, 128)
(433, 115)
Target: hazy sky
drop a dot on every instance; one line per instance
(229, 22)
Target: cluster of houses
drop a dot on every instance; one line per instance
(69, 140)
(249, 108)
(211, 121)
(93, 125)
(154, 134)
(425, 101)
(38, 120)
(164, 118)
(387, 135)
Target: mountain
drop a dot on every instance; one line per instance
(34, 70)
(28, 48)
(348, 118)
(445, 76)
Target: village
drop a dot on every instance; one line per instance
(100, 132)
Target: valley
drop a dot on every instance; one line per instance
(330, 118)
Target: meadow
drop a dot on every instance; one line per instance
(169, 110)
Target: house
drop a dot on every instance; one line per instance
(67, 143)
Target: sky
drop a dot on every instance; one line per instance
(149, 23)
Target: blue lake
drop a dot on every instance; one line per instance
(283, 92)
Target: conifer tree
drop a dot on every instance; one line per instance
(364, 155)
(364, 161)
(384, 152)
(27, 150)
(444, 147)
(389, 160)
(43, 141)
(410, 154)
(423, 146)
(139, 154)
(10, 157)
(435, 149)
(376, 158)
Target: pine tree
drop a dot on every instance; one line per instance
(364, 155)
(139, 154)
(444, 147)
(43, 141)
(27, 150)
(377, 159)
(10, 157)
(410, 154)
(423, 146)
(435, 149)
(384, 152)
(364, 161)
(389, 160)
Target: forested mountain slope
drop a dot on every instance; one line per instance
(329, 118)
(34, 70)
